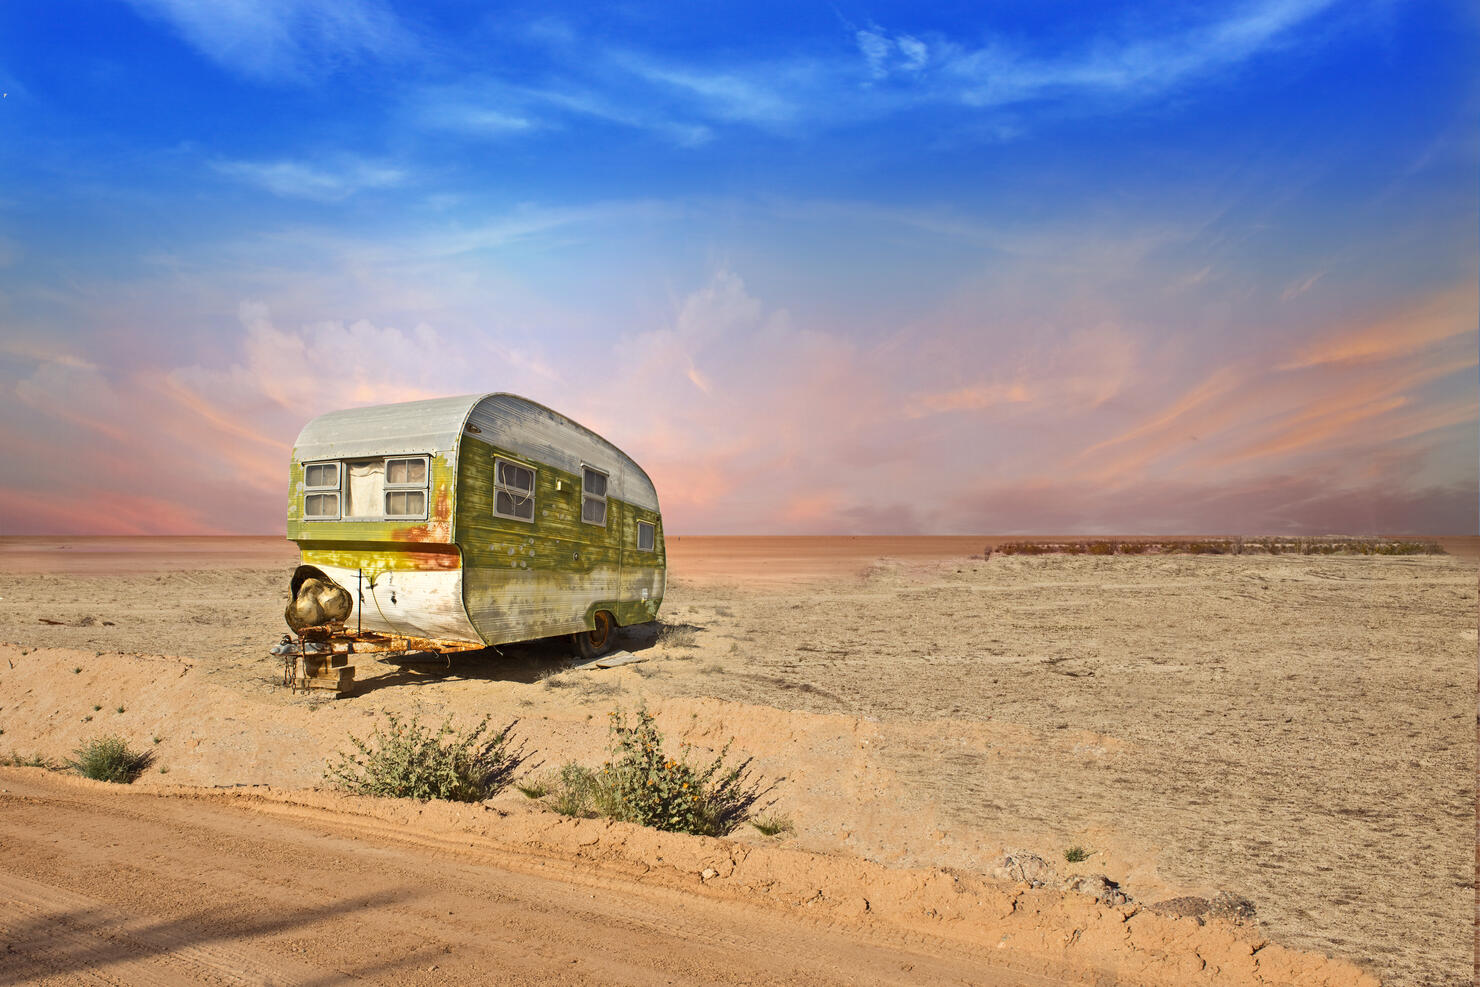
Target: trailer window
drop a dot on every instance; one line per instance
(593, 496)
(406, 487)
(513, 487)
(321, 490)
(646, 531)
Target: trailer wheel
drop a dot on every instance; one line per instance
(595, 642)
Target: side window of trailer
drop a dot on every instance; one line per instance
(406, 487)
(321, 490)
(593, 496)
(513, 487)
(646, 534)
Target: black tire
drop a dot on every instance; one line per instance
(596, 642)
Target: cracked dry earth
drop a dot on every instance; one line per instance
(1294, 730)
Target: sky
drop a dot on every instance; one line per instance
(840, 268)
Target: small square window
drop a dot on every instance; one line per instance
(406, 472)
(405, 503)
(321, 505)
(513, 487)
(321, 475)
(646, 535)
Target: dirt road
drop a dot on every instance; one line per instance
(102, 886)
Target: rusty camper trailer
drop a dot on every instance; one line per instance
(459, 523)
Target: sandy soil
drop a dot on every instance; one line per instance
(1295, 730)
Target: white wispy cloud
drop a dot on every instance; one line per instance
(329, 182)
(997, 72)
(887, 72)
(494, 110)
(276, 40)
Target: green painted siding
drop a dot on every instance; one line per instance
(526, 579)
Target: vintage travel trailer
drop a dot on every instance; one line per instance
(475, 520)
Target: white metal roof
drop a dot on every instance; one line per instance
(431, 426)
(504, 420)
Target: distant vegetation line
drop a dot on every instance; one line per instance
(1222, 546)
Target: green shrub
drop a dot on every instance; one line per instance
(110, 759)
(642, 783)
(652, 788)
(1076, 854)
(408, 760)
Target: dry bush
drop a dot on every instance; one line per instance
(408, 760)
(110, 759)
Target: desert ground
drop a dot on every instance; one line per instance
(1295, 730)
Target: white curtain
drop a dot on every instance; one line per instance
(366, 489)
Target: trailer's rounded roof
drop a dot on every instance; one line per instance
(430, 426)
(437, 426)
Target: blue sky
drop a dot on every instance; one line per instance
(1032, 267)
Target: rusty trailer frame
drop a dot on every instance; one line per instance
(323, 657)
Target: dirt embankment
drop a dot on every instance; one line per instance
(182, 885)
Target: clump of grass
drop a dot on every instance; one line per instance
(1076, 854)
(110, 759)
(555, 678)
(579, 791)
(120, 709)
(533, 788)
(96, 708)
(14, 760)
(644, 784)
(771, 825)
(678, 636)
(409, 760)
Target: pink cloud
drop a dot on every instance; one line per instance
(749, 422)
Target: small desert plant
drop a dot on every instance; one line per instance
(678, 636)
(110, 759)
(533, 789)
(408, 760)
(555, 678)
(667, 793)
(1076, 854)
(772, 824)
(643, 784)
(579, 791)
(14, 760)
